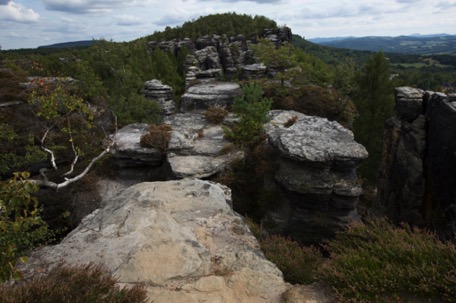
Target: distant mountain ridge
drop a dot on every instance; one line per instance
(413, 44)
(82, 43)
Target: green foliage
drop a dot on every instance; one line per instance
(124, 68)
(374, 100)
(78, 284)
(157, 137)
(229, 24)
(252, 110)
(378, 262)
(319, 101)
(215, 114)
(21, 227)
(15, 150)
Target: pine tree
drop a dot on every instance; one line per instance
(374, 101)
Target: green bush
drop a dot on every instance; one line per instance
(252, 110)
(378, 262)
(21, 227)
(79, 284)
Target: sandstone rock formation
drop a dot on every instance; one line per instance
(178, 237)
(198, 148)
(213, 57)
(202, 96)
(417, 182)
(163, 94)
(316, 174)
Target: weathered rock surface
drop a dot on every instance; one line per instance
(127, 150)
(417, 183)
(203, 96)
(316, 174)
(213, 57)
(181, 239)
(197, 148)
(162, 93)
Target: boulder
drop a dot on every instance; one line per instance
(127, 150)
(180, 238)
(204, 95)
(198, 148)
(316, 174)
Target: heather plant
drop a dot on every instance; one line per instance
(158, 136)
(78, 284)
(215, 114)
(298, 263)
(377, 262)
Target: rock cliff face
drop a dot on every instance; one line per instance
(180, 238)
(212, 57)
(316, 174)
(417, 182)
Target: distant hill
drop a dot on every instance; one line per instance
(415, 44)
(83, 43)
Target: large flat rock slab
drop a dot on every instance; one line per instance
(180, 238)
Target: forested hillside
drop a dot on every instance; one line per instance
(421, 45)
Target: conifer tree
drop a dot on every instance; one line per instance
(374, 101)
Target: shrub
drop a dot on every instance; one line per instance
(252, 110)
(378, 262)
(158, 137)
(21, 227)
(297, 263)
(215, 114)
(319, 101)
(78, 284)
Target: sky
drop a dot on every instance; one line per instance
(31, 23)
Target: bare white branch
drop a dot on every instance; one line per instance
(75, 152)
(44, 182)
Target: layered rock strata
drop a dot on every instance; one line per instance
(417, 183)
(316, 174)
(203, 96)
(162, 93)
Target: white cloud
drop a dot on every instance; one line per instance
(82, 6)
(12, 11)
(91, 6)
